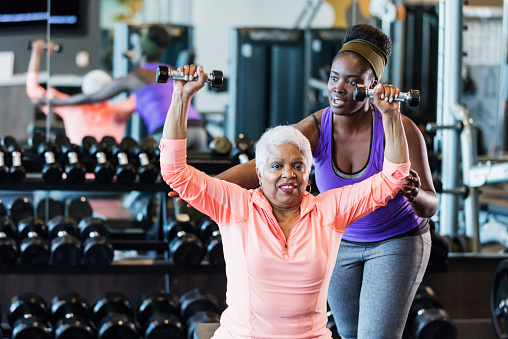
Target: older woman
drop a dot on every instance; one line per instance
(280, 242)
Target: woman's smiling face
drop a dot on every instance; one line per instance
(284, 176)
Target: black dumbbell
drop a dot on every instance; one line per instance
(49, 208)
(158, 316)
(29, 317)
(198, 306)
(17, 171)
(113, 315)
(74, 170)
(35, 140)
(104, 170)
(221, 146)
(109, 141)
(34, 247)
(78, 208)
(125, 171)
(185, 246)
(59, 140)
(9, 251)
(70, 316)
(97, 249)
(427, 318)
(4, 170)
(65, 243)
(51, 170)
(86, 143)
(148, 172)
(211, 238)
(412, 98)
(243, 149)
(3, 210)
(20, 208)
(163, 74)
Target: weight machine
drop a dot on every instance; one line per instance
(456, 134)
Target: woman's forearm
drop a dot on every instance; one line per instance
(175, 126)
(243, 175)
(396, 149)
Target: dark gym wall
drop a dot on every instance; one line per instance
(63, 63)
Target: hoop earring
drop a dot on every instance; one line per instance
(308, 188)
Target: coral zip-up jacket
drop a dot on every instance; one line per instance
(276, 288)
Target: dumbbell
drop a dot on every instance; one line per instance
(74, 170)
(125, 171)
(104, 170)
(221, 146)
(70, 316)
(59, 140)
(211, 238)
(243, 149)
(78, 208)
(113, 315)
(20, 208)
(17, 171)
(185, 247)
(97, 249)
(198, 306)
(109, 141)
(427, 318)
(147, 171)
(65, 243)
(34, 247)
(158, 316)
(4, 170)
(48, 208)
(9, 251)
(412, 98)
(163, 74)
(57, 47)
(29, 317)
(86, 143)
(37, 138)
(51, 170)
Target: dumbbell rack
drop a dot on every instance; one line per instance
(130, 267)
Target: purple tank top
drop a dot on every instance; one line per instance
(395, 218)
(153, 100)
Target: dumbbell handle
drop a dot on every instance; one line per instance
(164, 74)
(57, 48)
(412, 98)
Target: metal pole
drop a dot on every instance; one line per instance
(503, 85)
(450, 31)
(49, 116)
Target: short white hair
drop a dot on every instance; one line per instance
(278, 136)
(94, 81)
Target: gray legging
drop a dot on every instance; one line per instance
(373, 285)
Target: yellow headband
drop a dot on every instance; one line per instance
(373, 54)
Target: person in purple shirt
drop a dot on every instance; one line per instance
(383, 256)
(151, 98)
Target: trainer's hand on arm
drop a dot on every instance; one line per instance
(396, 148)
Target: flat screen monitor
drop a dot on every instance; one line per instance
(67, 17)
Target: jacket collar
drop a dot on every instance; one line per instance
(308, 202)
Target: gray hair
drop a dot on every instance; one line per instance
(278, 136)
(94, 81)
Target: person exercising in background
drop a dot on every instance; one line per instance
(151, 99)
(97, 120)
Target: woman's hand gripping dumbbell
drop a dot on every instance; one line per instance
(412, 98)
(164, 74)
